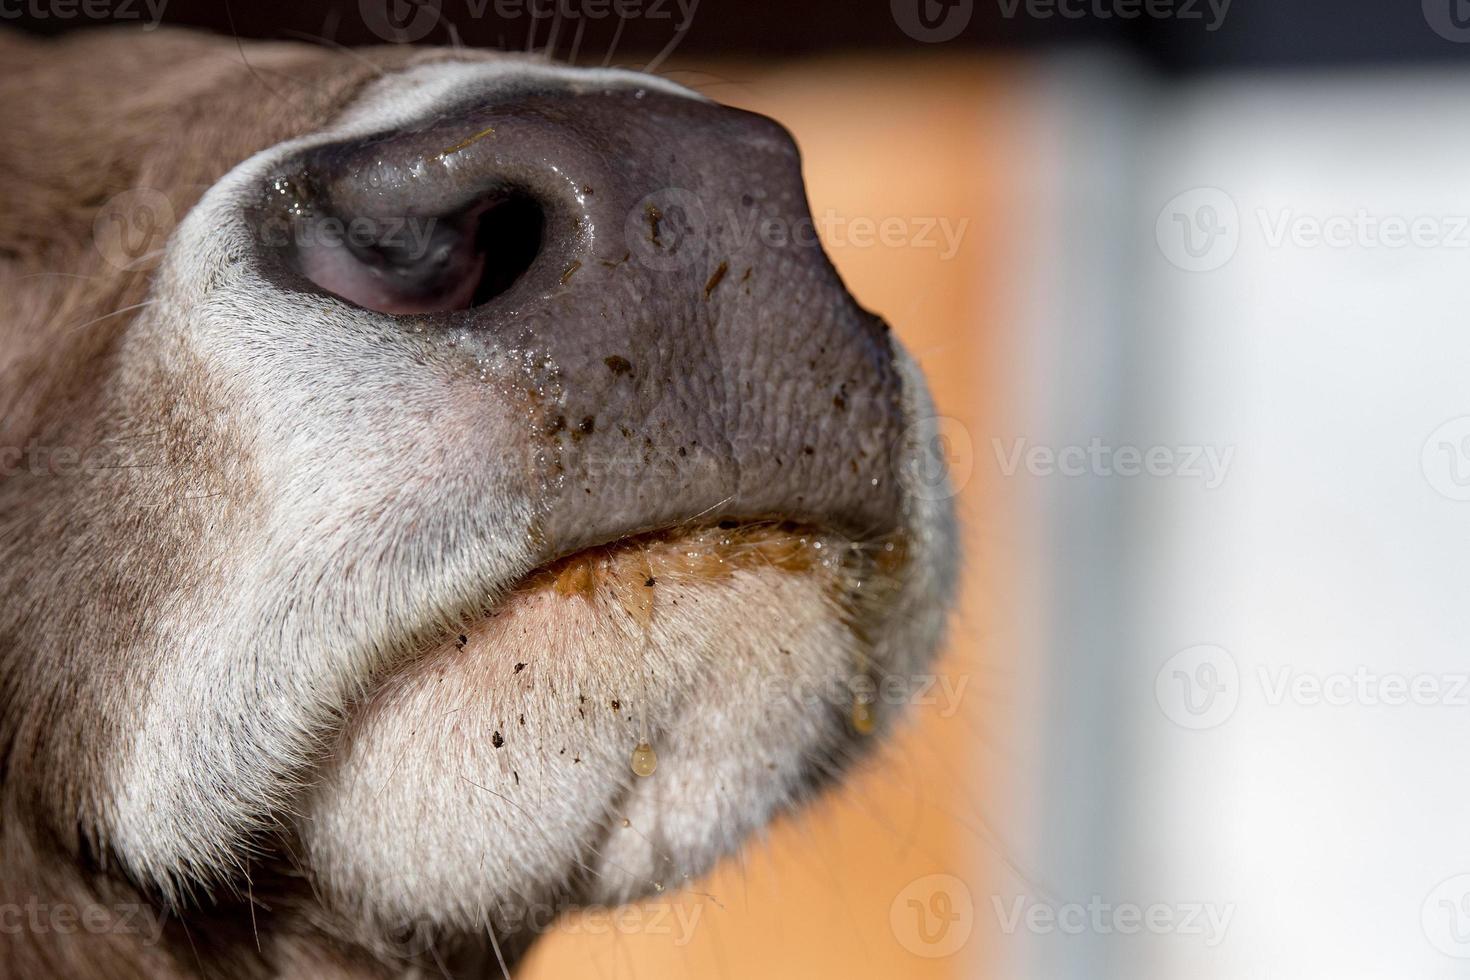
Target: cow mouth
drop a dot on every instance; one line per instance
(637, 578)
(638, 675)
(630, 570)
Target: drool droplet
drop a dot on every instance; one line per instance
(863, 718)
(645, 760)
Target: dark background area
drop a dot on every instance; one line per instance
(1252, 32)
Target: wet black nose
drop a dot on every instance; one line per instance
(694, 351)
(453, 214)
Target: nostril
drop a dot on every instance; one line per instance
(508, 238)
(418, 263)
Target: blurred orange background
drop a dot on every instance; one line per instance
(827, 892)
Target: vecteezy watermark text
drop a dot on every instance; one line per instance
(675, 920)
(38, 459)
(571, 10)
(150, 12)
(1201, 686)
(1363, 686)
(1208, 464)
(1211, 12)
(64, 918)
(406, 22)
(1206, 920)
(407, 237)
(674, 229)
(1200, 229)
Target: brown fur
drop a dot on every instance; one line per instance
(83, 120)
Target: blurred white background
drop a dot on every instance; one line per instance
(1246, 721)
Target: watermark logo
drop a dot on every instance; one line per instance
(1198, 687)
(1199, 230)
(933, 916)
(1445, 916)
(400, 21)
(932, 21)
(942, 461)
(1450, 19)
(131, 229)
(1445, 459)
(668, 230)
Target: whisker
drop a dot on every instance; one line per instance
(531, 37)
(250, 901)
(336, 46)
(331, 22)
(66, 275)
(532, 822)
(495, 945)
(674, 41)
(105, 316)
(710, 508)
(240, 46)
(550, 52)
(576, 41)
(617, 36)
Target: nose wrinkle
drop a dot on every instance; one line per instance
(701, 365)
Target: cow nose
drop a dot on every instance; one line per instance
(453, 214)
(654, 255)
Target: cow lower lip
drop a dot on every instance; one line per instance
(638, 572)
(700, 553)
(634, 570)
